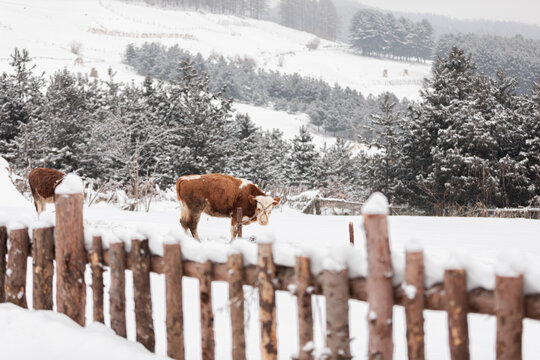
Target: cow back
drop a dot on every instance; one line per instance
(43, 181)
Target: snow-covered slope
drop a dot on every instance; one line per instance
(102, 28)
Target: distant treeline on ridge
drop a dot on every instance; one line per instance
(339, 111)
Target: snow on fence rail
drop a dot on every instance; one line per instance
(338, 283)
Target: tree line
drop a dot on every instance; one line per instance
(124, 135)
(375, 33)
(339, 111)
(518, 56)
(471, 140)
(250, 8)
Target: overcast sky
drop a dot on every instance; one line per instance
(526, 11)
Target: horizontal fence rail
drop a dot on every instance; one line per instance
(507, 302)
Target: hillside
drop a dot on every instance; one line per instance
(99, 30)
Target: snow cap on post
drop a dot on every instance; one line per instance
(510, 263)
(377, 204)
(71, 184)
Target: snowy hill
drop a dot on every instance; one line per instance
(57, 32)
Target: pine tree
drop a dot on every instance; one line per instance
(304, 160)
(21, 105)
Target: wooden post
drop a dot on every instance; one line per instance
(351, 233)
(43, 268)
(266, 273)
(19, 243)
(96, 262)
(235, 267)
(117, 292)
(335, 286)
(305, 315)
(140, 266)
(70, 256)
(239, 217)
(207, 315)
(379, 287)
(172, 258)
(455, 289)
(414, 304)
(3, 253)
(509, 307)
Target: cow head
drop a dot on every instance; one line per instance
(264, 207)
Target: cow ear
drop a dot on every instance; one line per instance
(252, 200)
(277, 199)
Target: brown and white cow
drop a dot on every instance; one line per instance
(43, 182)
(221, 195)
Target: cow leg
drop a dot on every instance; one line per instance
(234, 228)
(193, 225)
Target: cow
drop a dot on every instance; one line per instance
(221, 195)
(43, 182)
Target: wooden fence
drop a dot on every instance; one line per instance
(65, 246)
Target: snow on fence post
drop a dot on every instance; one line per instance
(96, 263)
(380, 289)
(414, 303)
(19, 243)
(456, 302)
(266, 273)
(351, 233)
(172, 258)
(239, 217)
(235, 274)
(43, 268)
(117, 291)
(70, 254)
(335, 287)
(3, 252)
(204, 271)
(509, 305)
(304, 284)
(140, 267)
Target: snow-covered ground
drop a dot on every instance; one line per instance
(289, 124)
(49, 335)
(476, 243)
(102, 28)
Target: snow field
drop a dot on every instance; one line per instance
(99, 30)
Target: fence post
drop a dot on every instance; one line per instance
(235, 267)
(69, 248)
(335, 286)
(172, 257)
(266, 273)
(117, 291)
(455, 290)
(414, 303)
(351, 233)
(19, 243)
(3, 253)
(140, 268)
(509, 304)
(96, 262)
(207, 315)
(380, 289)
(43, 268)
(305, 316)
(239, 217)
